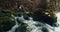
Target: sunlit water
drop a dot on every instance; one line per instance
(35, 26)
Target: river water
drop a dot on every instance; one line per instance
(35, 26)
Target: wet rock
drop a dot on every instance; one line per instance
(40, 15)
(22, 28)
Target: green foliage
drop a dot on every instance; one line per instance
(5, 16)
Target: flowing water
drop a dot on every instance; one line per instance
(35, 26)
(57, 29)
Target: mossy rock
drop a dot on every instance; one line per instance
(5, 20)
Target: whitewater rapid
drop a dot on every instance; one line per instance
(32, 25)
(57, 29)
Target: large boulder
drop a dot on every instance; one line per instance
(45, 16)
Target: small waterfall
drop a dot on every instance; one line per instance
(57, 29)
(35, 26)
(15, 26)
